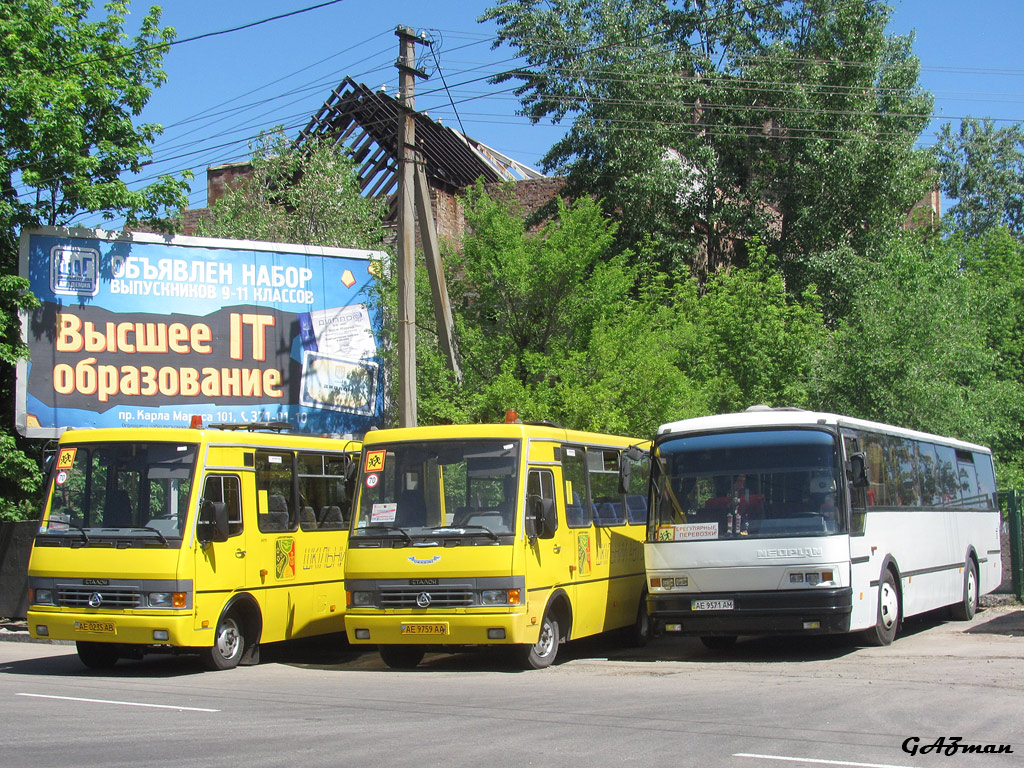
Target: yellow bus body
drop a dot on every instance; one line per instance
(96, 583)
(588, 573)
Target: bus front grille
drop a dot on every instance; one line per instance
(429, 597)
(108, 597)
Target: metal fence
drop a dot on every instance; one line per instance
(1010, 502)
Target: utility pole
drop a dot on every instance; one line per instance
(407, 74)
(414, 193)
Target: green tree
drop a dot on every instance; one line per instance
(982, 168)
(308, 195)
(700, 123)
(914, 350)
(70, 91)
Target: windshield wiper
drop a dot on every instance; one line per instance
(464, 528)
(85, 536)
(380, 526)
(154, 530)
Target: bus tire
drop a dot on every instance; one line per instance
(718, 642)
(228, 644)
(401, 656)
(968, 606)
(542, 653)
(97, 655)
(887, 619)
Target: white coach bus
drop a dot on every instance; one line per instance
(785, 521)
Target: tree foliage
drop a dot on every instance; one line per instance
(70, 92)
(701, 124)
(308, 195)
(982, 168)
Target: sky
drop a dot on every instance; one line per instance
(224, 89)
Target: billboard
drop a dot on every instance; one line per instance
(146, 330)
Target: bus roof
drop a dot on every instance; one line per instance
(516, 430)
(210, 436)
(763, 416)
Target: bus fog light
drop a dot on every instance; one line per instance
(160, 635)
(496, 633)
(673, 627)
(362, 634)
(42, 630)
(812, 625)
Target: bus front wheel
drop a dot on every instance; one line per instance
(228, 644)
(97, 655)
(543, 652)
(888, 615)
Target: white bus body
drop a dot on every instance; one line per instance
(790, 521)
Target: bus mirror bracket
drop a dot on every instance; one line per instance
(857, 470)
(213, 522)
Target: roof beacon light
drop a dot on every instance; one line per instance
(510, 417)
(197, 422)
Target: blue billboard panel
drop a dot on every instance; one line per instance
(143, 330)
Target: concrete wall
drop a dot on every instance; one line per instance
(15, 547)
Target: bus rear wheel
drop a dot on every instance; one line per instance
(542, 653)
(97, 655)
(888, 616)
(401, 656)
(228, 644)
(968, 606)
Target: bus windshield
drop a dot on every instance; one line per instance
(754, 483)
(137, 491)
(450, 488)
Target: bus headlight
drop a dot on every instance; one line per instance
(160, 599)
(42, 596)
(361, 599)
(500, 597)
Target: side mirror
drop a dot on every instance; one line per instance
(541, 519)
(351, 470)
(625, 473)
(213, 522)
(857, 470)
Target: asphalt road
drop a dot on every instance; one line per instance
(765, 704)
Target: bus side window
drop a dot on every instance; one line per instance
(578, 512)
(603, 477)
(274, 490)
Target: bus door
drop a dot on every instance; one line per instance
(865, 560)
(221, 566)
(553, 559)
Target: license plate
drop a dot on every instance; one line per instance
(711, 605)
(425, 629)
(96, 627)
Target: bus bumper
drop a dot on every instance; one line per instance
(170, 628)
(440, 629)
(805, 611)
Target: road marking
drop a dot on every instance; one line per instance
(122, 703)
(821, 762)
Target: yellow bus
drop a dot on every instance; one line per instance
(208, 541)
(516, 535)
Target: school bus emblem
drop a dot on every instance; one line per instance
(285, 569)
(374, 461)
(66, 459)
(583, 553)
